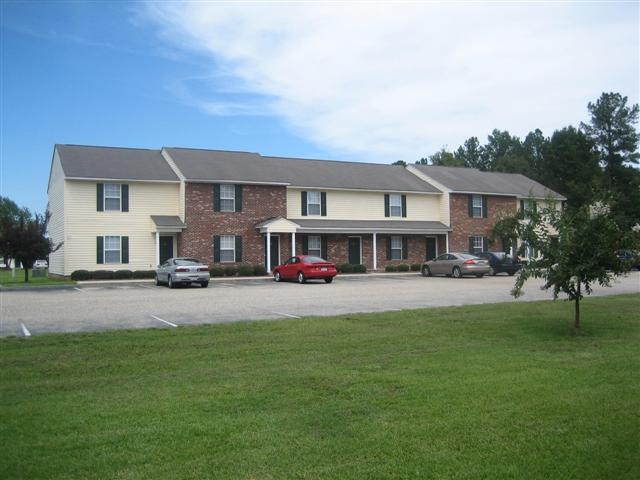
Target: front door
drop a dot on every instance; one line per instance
(432, 248)
(166, 247)
(275, 252)
(355, 255)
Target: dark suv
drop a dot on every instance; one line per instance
(500, 262)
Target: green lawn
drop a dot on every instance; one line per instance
(8, 280)
(482, 392)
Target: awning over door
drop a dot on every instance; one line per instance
(168, 223)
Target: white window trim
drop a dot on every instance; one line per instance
(224, 249)
(227, 192)
(395, 203)
(315, 251)
(475, 206)
(477, 239)
(396, 239)
(105, 249)
(106, 197)
(317, 204)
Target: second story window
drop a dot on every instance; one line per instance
(314, 203)
(395, 205)
(528, 207)
(478, 206)
(113, 197)
(227, 198)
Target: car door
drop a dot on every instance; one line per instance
(439, 265)
(163, 271)
(289, 269)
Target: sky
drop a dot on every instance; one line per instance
(356, 81)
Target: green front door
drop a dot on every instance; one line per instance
(355, 254)
(166, 247)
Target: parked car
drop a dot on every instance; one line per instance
(305, 267)
(456, 265)
(183, 270)
(500, 262)
(40, 264)
(630, 258)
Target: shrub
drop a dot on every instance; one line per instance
(245, 270)
(216, 271)
(415, 267)
(103, 275)
(345, 268)
(360, 268)
(259, 270)
(230, 271)
(403, 267)
(144, 274)
(391, 268)
(122, 274)
(79, 275)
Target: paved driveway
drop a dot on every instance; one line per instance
(93, 307)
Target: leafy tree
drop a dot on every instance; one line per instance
(472, 154)
(400, 162)
(569, 165)
(503, 153)
(10, 214)
(576, 249)
(445, 158)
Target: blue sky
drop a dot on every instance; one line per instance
(338, 80)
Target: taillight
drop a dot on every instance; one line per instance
(469, 262)
(203, 269)
(182, 269)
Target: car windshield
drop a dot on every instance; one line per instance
(466, 256)
(187, 261)
(314, 260)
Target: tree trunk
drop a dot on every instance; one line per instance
(26, 275)
(576, 321)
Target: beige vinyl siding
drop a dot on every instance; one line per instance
(444, 208)
(352, 205)
(55, 228)
(84, 223)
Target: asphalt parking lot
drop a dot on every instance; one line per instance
(106, 306)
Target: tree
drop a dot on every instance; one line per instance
(576, 249)
(10, 214)
(613, 133)
(471, 153)
(400, 162)
(503, 153)
(444, 158)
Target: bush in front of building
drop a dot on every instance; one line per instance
(144, 274)
(245, 270)
(102, 275)
(345, 268)
(360, 268)
(122, 274)
(404, 267)
(259, 270)
(80, 275)
(216, 271)
(415, 267)
(230, 271)
(391, 268)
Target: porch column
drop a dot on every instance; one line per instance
(293, 244)
(447, 237)
(157, 248)
(375, 251)
(268, 252)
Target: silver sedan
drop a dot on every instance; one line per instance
(456, 265)
(183, 270)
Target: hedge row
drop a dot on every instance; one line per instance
(403, 267)
(241, 270)
(350, 268)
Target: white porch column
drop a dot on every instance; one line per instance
(268, 252)
(293, 244)
(447, 237)
(375, 251)
(157, 248)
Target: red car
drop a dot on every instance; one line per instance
(305, 267)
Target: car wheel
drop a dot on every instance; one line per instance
(170, 283)
(204, 284)
(328, 279)
(492, 272)
(511, 274)
(456, 272)
(277, 277)
(426, 271)
(301, 278)
(157, 280)
(479, 275)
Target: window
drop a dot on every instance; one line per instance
(112, 249)
(476, 244)
(227, 198)
(477, 206)
(314, 205)
(113, 197)
(227, 248)
(396, 248)
(528, 206)
(395, 205)
(314, 245)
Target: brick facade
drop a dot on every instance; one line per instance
(465, 226)
(259, 203)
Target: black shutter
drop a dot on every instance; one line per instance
(386, 205)
(100, 250)
(388, 248)
(238, 198)
(238, 248)
(404, 205)
(216, 248)
(100, 197)
(470, 198)
(124, 198)
(323, 204)
(522, 205)
(485, 244)
(471, 245)
(216, 197)
(124, 249)
(305, 245)
(304, 204)
(485, 210)
(405, 248)
(323, 246)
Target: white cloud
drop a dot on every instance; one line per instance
(400, 80)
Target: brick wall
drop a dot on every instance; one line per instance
(465, 226)
(259, 203)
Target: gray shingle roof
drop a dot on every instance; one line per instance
(379, 226)
(79, 161)
(472, 180)
(221, 166)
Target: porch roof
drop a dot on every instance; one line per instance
(168, 223)
(396, 227)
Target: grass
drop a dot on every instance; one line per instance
(483, 392)
(8, 280)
